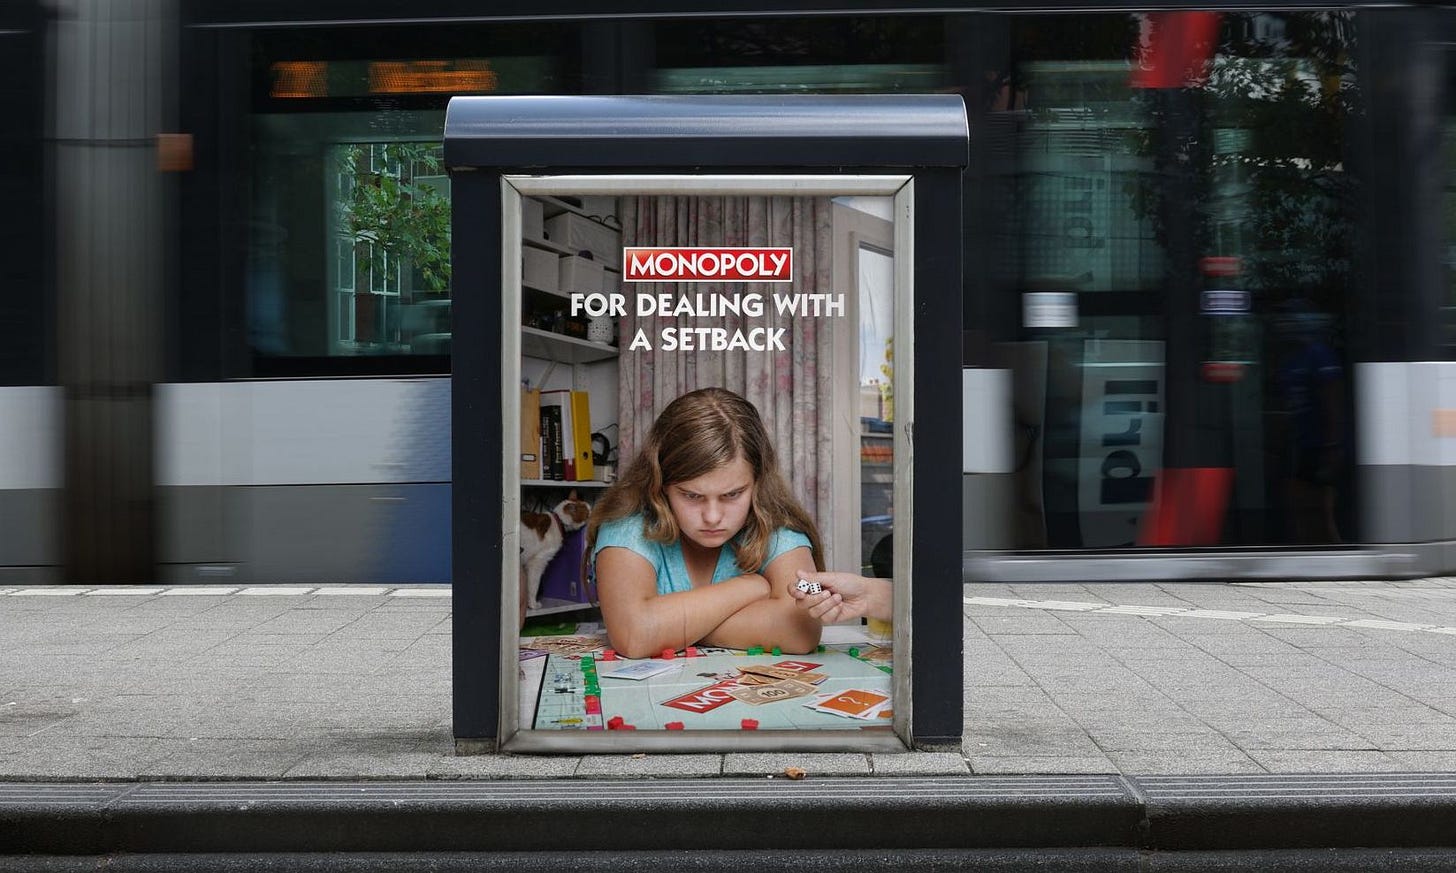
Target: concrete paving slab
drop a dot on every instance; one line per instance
(1412, 737)
(1308, 761)
(163, 715)
(816, 763)
(397, 764)
(1022, 626)
(1153, 740)
(636, 766)
(504, 767)
(204, 758)
(1000, 702)
(1010, 740)
(1136, 729)
(1427, 761)
(1189, 760)
(1253, 739)
(308, 621)
(1041, 764)
(919, 764)
(63, 758)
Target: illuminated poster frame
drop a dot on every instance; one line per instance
(899, 190)
(502, 151)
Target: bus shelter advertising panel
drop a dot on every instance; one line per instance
(707, 482)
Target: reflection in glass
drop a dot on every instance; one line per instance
(1183, 176)
(390, 219)
(345, 242)
(348, 245)
(851, 54)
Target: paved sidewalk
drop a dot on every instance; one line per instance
(354, 682)
(1294, 677)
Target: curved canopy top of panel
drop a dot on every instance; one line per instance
(800, 130)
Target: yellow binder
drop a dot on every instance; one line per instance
(581, 436)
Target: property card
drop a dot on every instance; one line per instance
(562, 645)
(878, 655)
(778, 671)
(787, 689)
(747, 679)
(639, 670)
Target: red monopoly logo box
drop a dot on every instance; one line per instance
(707, 264)
(705, 699)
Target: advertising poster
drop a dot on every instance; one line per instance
(706, 462)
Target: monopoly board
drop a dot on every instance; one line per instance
(841, 687)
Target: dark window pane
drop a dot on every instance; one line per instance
(348, 234)
(1180, 244)
(902, 53)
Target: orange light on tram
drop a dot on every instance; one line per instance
(300, 79)
(466, 76)
(174, 152)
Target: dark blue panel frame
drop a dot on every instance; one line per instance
(27, 299)
(223, 13)
(798, 132)
(924, 136)
(1399, 151)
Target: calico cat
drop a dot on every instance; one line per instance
(541, 538)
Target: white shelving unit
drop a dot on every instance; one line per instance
(562, 483)
(548, 246)
(551, 606)
(582, 356)
(565, 349)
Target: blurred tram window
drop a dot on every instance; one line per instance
(1448, 211)
(904, 53)
(1178, 184)
(26, 350)
(345, 247)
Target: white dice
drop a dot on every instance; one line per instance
(809, 587)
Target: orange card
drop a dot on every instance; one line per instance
(853, 703)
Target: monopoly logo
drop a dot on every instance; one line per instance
(705, 699)
(695, 264)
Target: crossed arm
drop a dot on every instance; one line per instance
(749, 610)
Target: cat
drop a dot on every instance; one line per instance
(541, 536)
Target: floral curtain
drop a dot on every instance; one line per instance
(791, 387)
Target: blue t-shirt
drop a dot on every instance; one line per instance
(667, 559)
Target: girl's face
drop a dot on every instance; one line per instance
(712, 508)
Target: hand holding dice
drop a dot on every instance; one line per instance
(834, 597)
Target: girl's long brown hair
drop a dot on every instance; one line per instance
(697, 433)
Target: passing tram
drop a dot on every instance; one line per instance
(1208, 295)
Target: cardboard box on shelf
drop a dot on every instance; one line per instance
(533, 219)
(579, 275)
(582, 234)
(599, 205)
(539, 270)
(612, 281)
